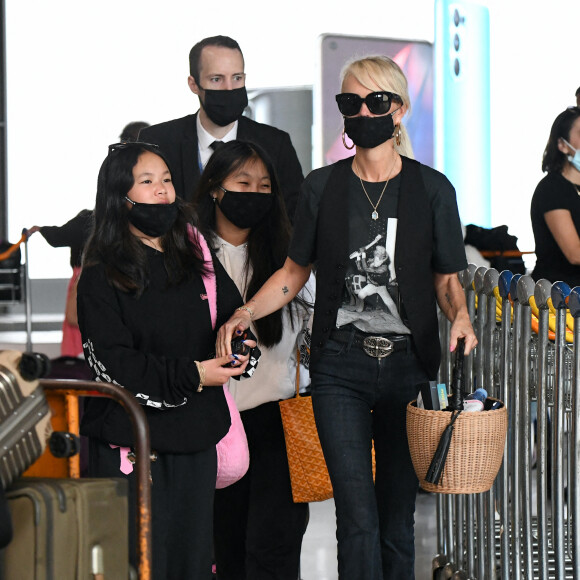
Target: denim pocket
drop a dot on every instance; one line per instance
(334, 347)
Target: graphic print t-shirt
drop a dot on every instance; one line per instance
(370, 298)
(370, 295)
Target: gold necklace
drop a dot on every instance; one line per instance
(375, 214)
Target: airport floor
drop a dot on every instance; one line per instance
(319, 545)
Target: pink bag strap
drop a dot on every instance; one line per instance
(208, 279)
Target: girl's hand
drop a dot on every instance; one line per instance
(218, 371)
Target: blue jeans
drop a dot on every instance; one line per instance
(375, 522)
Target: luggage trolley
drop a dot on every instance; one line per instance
(142, 448)
(44, 508)
(15, 282)
(526, 526)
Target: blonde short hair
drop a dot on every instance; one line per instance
(379, 72)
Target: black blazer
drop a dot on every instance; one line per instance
(178, 140)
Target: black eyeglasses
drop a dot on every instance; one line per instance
(126, 144)
(378, 103)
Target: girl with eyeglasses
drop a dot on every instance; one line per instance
(145, 314)
(370, 355)
(258, 529)
(555, 207)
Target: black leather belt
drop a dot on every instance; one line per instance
(374, 345)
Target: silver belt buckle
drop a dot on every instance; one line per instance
(377, 346)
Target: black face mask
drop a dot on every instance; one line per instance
(153, 219)
(369, 132)
(245, 209)
(225, 107)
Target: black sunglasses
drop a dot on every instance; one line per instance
(378, 103)
(126, 144)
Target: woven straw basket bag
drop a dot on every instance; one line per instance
(475, 453)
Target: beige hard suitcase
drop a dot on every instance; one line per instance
(68, 529)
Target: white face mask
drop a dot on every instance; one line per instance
(573, 159)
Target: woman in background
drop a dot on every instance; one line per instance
(74, 235)
(555, 208)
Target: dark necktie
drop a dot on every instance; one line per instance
(216, 145)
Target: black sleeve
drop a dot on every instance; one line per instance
(448, 244)
(550, 195)
(109, 347)
(72, 233)
(303, 245)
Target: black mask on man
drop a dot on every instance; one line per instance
(225, 107)
(369, 132)
(153, 219)
(245, 209)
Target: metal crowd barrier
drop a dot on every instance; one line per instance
(528, 356)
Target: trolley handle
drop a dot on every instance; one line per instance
(142, 450)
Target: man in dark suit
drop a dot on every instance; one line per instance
(217, 77)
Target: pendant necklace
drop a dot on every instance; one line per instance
(375, 214)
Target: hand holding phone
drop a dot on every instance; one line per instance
(238, 347)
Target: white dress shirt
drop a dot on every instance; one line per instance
(275, 376)
(204, 141)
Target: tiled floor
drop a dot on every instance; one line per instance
(319, 545)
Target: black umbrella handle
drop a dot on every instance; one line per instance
(458, 380)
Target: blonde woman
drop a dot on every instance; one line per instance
(367, 364)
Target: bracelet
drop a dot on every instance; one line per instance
(247, 310)
(201, 372)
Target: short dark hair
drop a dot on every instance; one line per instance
(130, 131)
(577, 92)
(195, 52)
(553, 159)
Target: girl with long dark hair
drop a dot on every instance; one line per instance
(145, 316)
(258, 528)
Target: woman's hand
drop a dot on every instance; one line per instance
(461, 328)
(238, 322)
(216, 374)
(451, 300)
(31, 230)
(276, 292)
